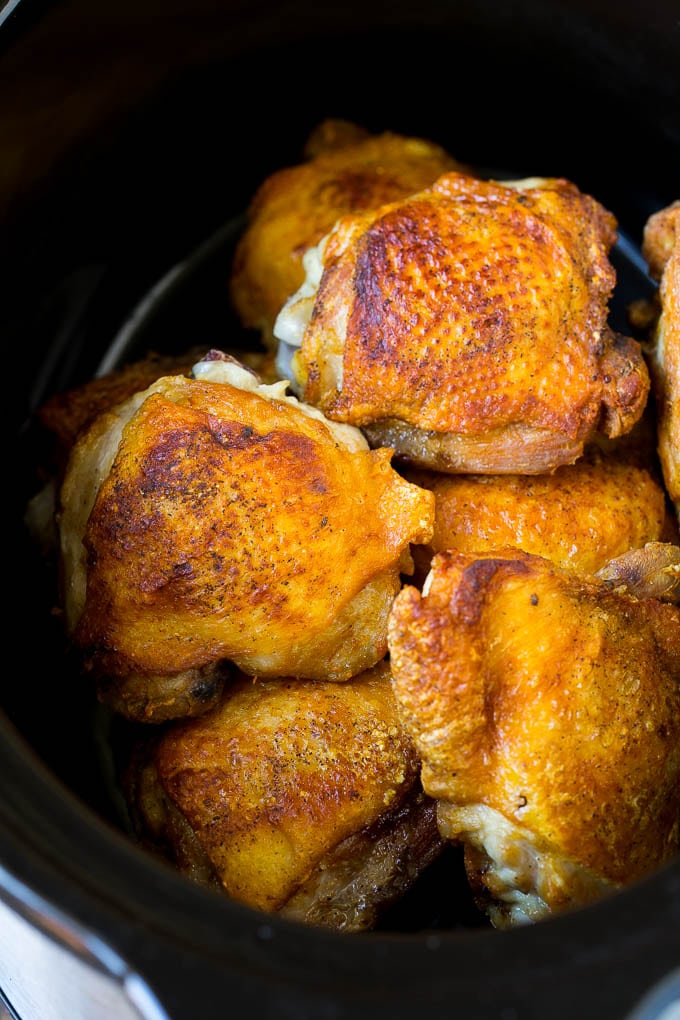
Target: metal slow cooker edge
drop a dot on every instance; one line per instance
(97, 199)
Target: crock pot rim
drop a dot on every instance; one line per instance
(74, 859)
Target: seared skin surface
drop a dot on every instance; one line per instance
(66, 413)
(661, 248)
(581, 516)
(346, 171)
(281, 795)
(549, 704)
(202, 522)
(466, 327)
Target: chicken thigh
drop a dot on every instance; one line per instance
(581, 516)
(466, 327)
(546, 711)
(347, 169)
(298, 797)
(661, 249)
(214, 520)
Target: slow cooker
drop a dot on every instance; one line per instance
(134, 135)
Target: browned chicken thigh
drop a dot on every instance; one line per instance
(347, 169)
(581, 516)
(299, 797)
(466, 327)
(661, 248)
(546, 710)
(211, 520)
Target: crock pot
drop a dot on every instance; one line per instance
(134, 136)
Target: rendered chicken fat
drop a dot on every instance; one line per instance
(295, 316)
(229, 371)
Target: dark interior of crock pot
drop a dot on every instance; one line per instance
(584, 91)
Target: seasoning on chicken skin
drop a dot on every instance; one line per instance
(213, 520)
(466, 327)
(546, 710)
(347, 169)
(299, 797)
(661, 249)
(66, 413)
(581, 516)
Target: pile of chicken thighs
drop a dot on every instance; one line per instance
(405, 576)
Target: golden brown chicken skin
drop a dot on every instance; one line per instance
(581, 516)
(661, 249)
(347, 169)
(66, 413)
(203, 522)
(298, 797)
(546, 710)
(466, 327)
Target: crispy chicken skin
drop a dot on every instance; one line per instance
(546, 710)
(661, 249)
(466, 327)
(202, 522)
(347, 169)
(66, 413)
(300, 797)
(581, 516)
